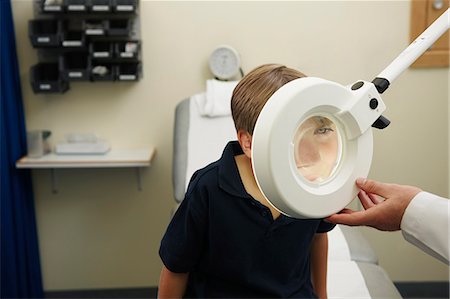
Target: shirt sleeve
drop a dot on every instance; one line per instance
(184, 240)
(325, 227)
(426, 224)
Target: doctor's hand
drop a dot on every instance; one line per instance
(383, 214)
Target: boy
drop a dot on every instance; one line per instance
(226, 240)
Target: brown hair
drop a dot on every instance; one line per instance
(253, 91)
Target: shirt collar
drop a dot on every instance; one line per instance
(229, 177)
(230, 180)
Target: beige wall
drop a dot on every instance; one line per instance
(99, 231)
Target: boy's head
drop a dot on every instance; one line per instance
(252, 93)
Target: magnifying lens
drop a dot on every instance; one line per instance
(313, 138)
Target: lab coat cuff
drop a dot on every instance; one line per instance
(425, 224)
(410, 222)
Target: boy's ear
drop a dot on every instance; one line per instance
(245, 140)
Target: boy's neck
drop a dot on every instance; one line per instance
(248, 179)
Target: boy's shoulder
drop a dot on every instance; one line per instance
(215, 175)
(204, 177)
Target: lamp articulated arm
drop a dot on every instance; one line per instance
(407, 57)
(412, 52)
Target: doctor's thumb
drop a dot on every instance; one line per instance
(371, 186)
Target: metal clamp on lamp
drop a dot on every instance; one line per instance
(313, 138)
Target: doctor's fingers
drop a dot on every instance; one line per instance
(336, 217)
(365, 200)
(346, 211)
(371, 186)
(352, 218)
(375, 198)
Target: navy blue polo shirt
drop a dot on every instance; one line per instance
(230, 244)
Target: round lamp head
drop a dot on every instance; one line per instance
(308, 147)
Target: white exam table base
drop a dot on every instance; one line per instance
(348, 279)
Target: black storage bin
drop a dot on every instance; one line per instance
(46, 77)
(128, 72)
(51, 6)
(98, 6)
(127, 49)
(75, 5)
(119, 27)
(125, 6)
(101, 49)
(95, 27)
(44, 33)
(73, 34)
(75, 66)
(73, 39)
(102, 71)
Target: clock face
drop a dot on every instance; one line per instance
(224, 62)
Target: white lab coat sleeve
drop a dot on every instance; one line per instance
(426, 224)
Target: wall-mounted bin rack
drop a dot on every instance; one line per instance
(55, 6)
(75, 66)
(73, 39)
(88, 6)
(44, 33)
(128, 72)
(101, 49)
(125, 5)
(127, 49)
(46, 77)
(90, 40)
(95, 27)
(103, 71)
(100, 6)
(78, 6)
(119, 27)
(73, 34)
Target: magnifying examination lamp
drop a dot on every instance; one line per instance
(313, 138)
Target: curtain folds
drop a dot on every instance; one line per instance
(20, 265)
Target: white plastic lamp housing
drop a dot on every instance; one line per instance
(274, 148)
